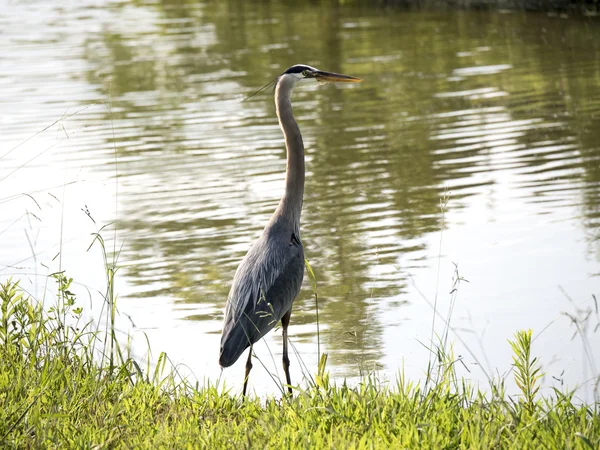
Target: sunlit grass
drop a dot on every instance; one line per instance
(63, 385)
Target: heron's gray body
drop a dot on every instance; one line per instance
(264, 287)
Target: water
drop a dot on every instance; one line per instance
(470, 152)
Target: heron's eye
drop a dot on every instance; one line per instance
(306, 72)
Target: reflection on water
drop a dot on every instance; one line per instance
(494, 116)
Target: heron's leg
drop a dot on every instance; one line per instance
(285, 321)
(248, 368)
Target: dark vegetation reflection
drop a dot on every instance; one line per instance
(449, 101)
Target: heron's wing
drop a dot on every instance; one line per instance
(264, 287)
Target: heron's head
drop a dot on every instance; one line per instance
(301, 72)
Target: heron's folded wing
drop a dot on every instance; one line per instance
(264, 288)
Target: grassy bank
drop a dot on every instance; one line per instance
(64, 385)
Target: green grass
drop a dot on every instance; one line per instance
(63, 385)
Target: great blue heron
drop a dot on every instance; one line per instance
(269, 277)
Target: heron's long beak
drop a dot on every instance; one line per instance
(319, 75)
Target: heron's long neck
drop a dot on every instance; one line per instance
(291, 203)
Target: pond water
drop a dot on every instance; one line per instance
(463, 172)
